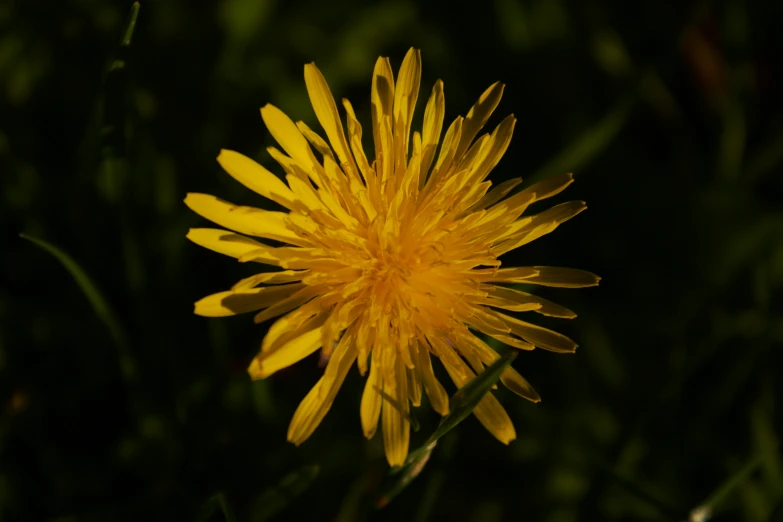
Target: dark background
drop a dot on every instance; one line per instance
(669, 114)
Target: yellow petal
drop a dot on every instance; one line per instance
(338, 211)
(370, 409)
(257, 178)
(316, 404)
(405, 94)
(395, 415)
(550, 187)
(505, 275)
(294, 324)
(382, 99)
(289, 303)
(286, 133)
(347, 197)
(326, 111)
(363, 344)
(508, 239)
(510, 378)
(265, 364)
(500, 139)
(224, 304)
(223, 241)
(305, 193)
(294, 258)
(447, 153)
(245, 220)
(355, 140)
(496, 194)
(265, 254)
(478, 116)
(516, 204)
(270, 278)
(540, 336)
(473, 157)
(414, 386)
(554, 215)
(529, 236)
(513, 341)
(542, 306)
(433, 125)
(488, 411)
(479, 318)
(434, 389)
(510, 305)
(288, 164)
(562, 277)
(315, 140)
(510, 299)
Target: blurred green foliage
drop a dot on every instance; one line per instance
(668, 113)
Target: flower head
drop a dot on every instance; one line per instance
(388, 262)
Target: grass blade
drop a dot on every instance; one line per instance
(113, 120)
(631, 487)
(430, 496)
(405, 474)
(765, 160)
(462, 404)
(97, 301)
(211, 505)
(274, 500)
(127, 36)
(131, 26)
(717, 497)
(589, 145)
(467, 398)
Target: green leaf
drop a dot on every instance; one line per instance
(97, 301)
(415, 426)
(722, 492)
(667, 511)
(766, 159)
(732, 142)
(467, 398)
(430, 496)
(406, 473)
(263, 399)
(461, 405)
(127, 36)
(274, 500)
(766, 441)
(114, 171)
(609, 51)
(211, 505)
(589, 145)
(748, 241)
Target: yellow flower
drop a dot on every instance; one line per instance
(389, 262)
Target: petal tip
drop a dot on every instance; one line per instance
(255, 371)
(191, 197)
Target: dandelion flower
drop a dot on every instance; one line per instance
(390, 262)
